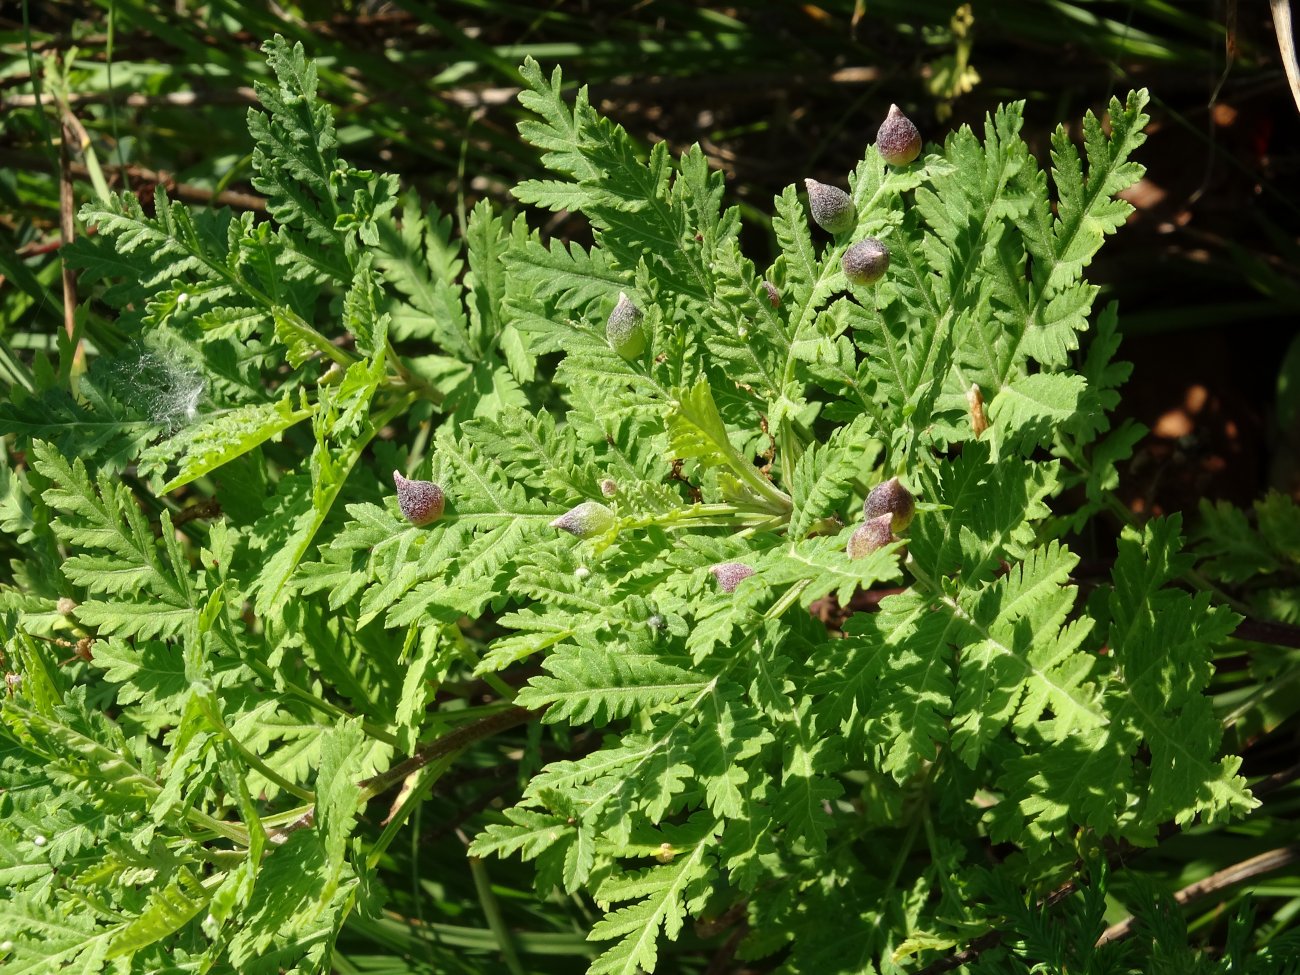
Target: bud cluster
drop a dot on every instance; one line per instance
(889, 508)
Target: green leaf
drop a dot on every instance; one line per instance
(825, 473)
(169, 909)
(597, 685)
(1023, 660)
(423, 263)
(1028, 411)
(663, 895)
(207, 446)
(696, 432)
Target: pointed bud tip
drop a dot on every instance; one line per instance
(898, 140)
(892, 499)
(421, 501)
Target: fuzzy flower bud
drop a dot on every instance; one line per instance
(866, 261)
(421, 501)
(730, 574)
(872, 534)
(773, 296)
(890, 498)
(587, 520)
(831, 207)
(898, 141)
(623, 328)
(609, 487)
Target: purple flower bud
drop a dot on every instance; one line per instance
(588, 519)
(890, 498)
(623, 328)
(421, 501)
(730, 574)
(866, 261)
(831, 208)
(898, 141)
(609, 487)
(872, 534)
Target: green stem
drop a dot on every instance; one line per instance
(910, 839)
(35, 75)
(791, 448)
(904, 851)
(1258, 695)
(780, 502)
(409, 380)
(932, 840)
(483, 887)
(719, 515)
(788, 599)
(255, 761)
(317, 340)
(506, 692)
(772, 524)
(317, 703)
(236, 834)
(409, 802)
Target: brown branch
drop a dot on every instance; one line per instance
(1265, 631)
(721, 963)
(35, 249)
(67, 228)
(1275, 781)
(1219, 880)
(185, 191)
(211, 508)
(179, 191)
(143, 43)
(175, 99)
(446, 745)
(968, 954)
